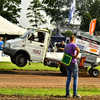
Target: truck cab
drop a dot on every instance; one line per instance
(31, 46)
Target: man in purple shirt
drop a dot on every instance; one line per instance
(73, 50)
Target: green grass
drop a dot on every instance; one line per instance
(33, 66)
(47, 92)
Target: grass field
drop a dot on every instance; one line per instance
(33, 66)
(47, 92)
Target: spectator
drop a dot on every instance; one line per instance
(57, 45)
(61, 47)
(1, 43)
(73, 50)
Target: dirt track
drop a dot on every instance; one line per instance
(44, 79)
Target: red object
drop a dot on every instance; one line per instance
(92, 26)
(81, 64)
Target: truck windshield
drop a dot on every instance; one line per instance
(26, 33)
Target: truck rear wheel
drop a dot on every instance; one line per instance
(63, 70)
(21, 60)
(13, 60)
(95, 72)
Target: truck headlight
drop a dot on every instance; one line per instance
(7, 45)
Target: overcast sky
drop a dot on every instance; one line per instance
(23, 21)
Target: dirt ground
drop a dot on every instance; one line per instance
(44, 79)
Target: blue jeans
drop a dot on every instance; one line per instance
(72, 70)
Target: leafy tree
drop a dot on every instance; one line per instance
(87, 12)
(9, 9)
(57, 10)
(68, 33)
(34, 13)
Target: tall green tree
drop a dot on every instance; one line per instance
(10, 9)
(57, 10)
(87, 12)
(35, 13)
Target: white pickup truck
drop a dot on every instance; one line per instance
(28, 47)
(33, 46)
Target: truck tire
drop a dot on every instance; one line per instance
(95, 72)
(21, 60)
(13, 60)
(63, 70)
(90, 71)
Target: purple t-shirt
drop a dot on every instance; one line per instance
(70, 49)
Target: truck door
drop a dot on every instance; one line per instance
(35, 45)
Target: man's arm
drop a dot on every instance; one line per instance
(62, 47)
(77, 52)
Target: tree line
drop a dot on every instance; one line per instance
(57, 10)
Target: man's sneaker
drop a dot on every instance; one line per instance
(68, 95)
(76, 96)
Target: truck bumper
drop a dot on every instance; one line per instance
(9, 51)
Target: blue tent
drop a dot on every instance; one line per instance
(58, 38)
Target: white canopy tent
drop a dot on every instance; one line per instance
(9, 28)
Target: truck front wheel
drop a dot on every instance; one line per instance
(21, 60)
